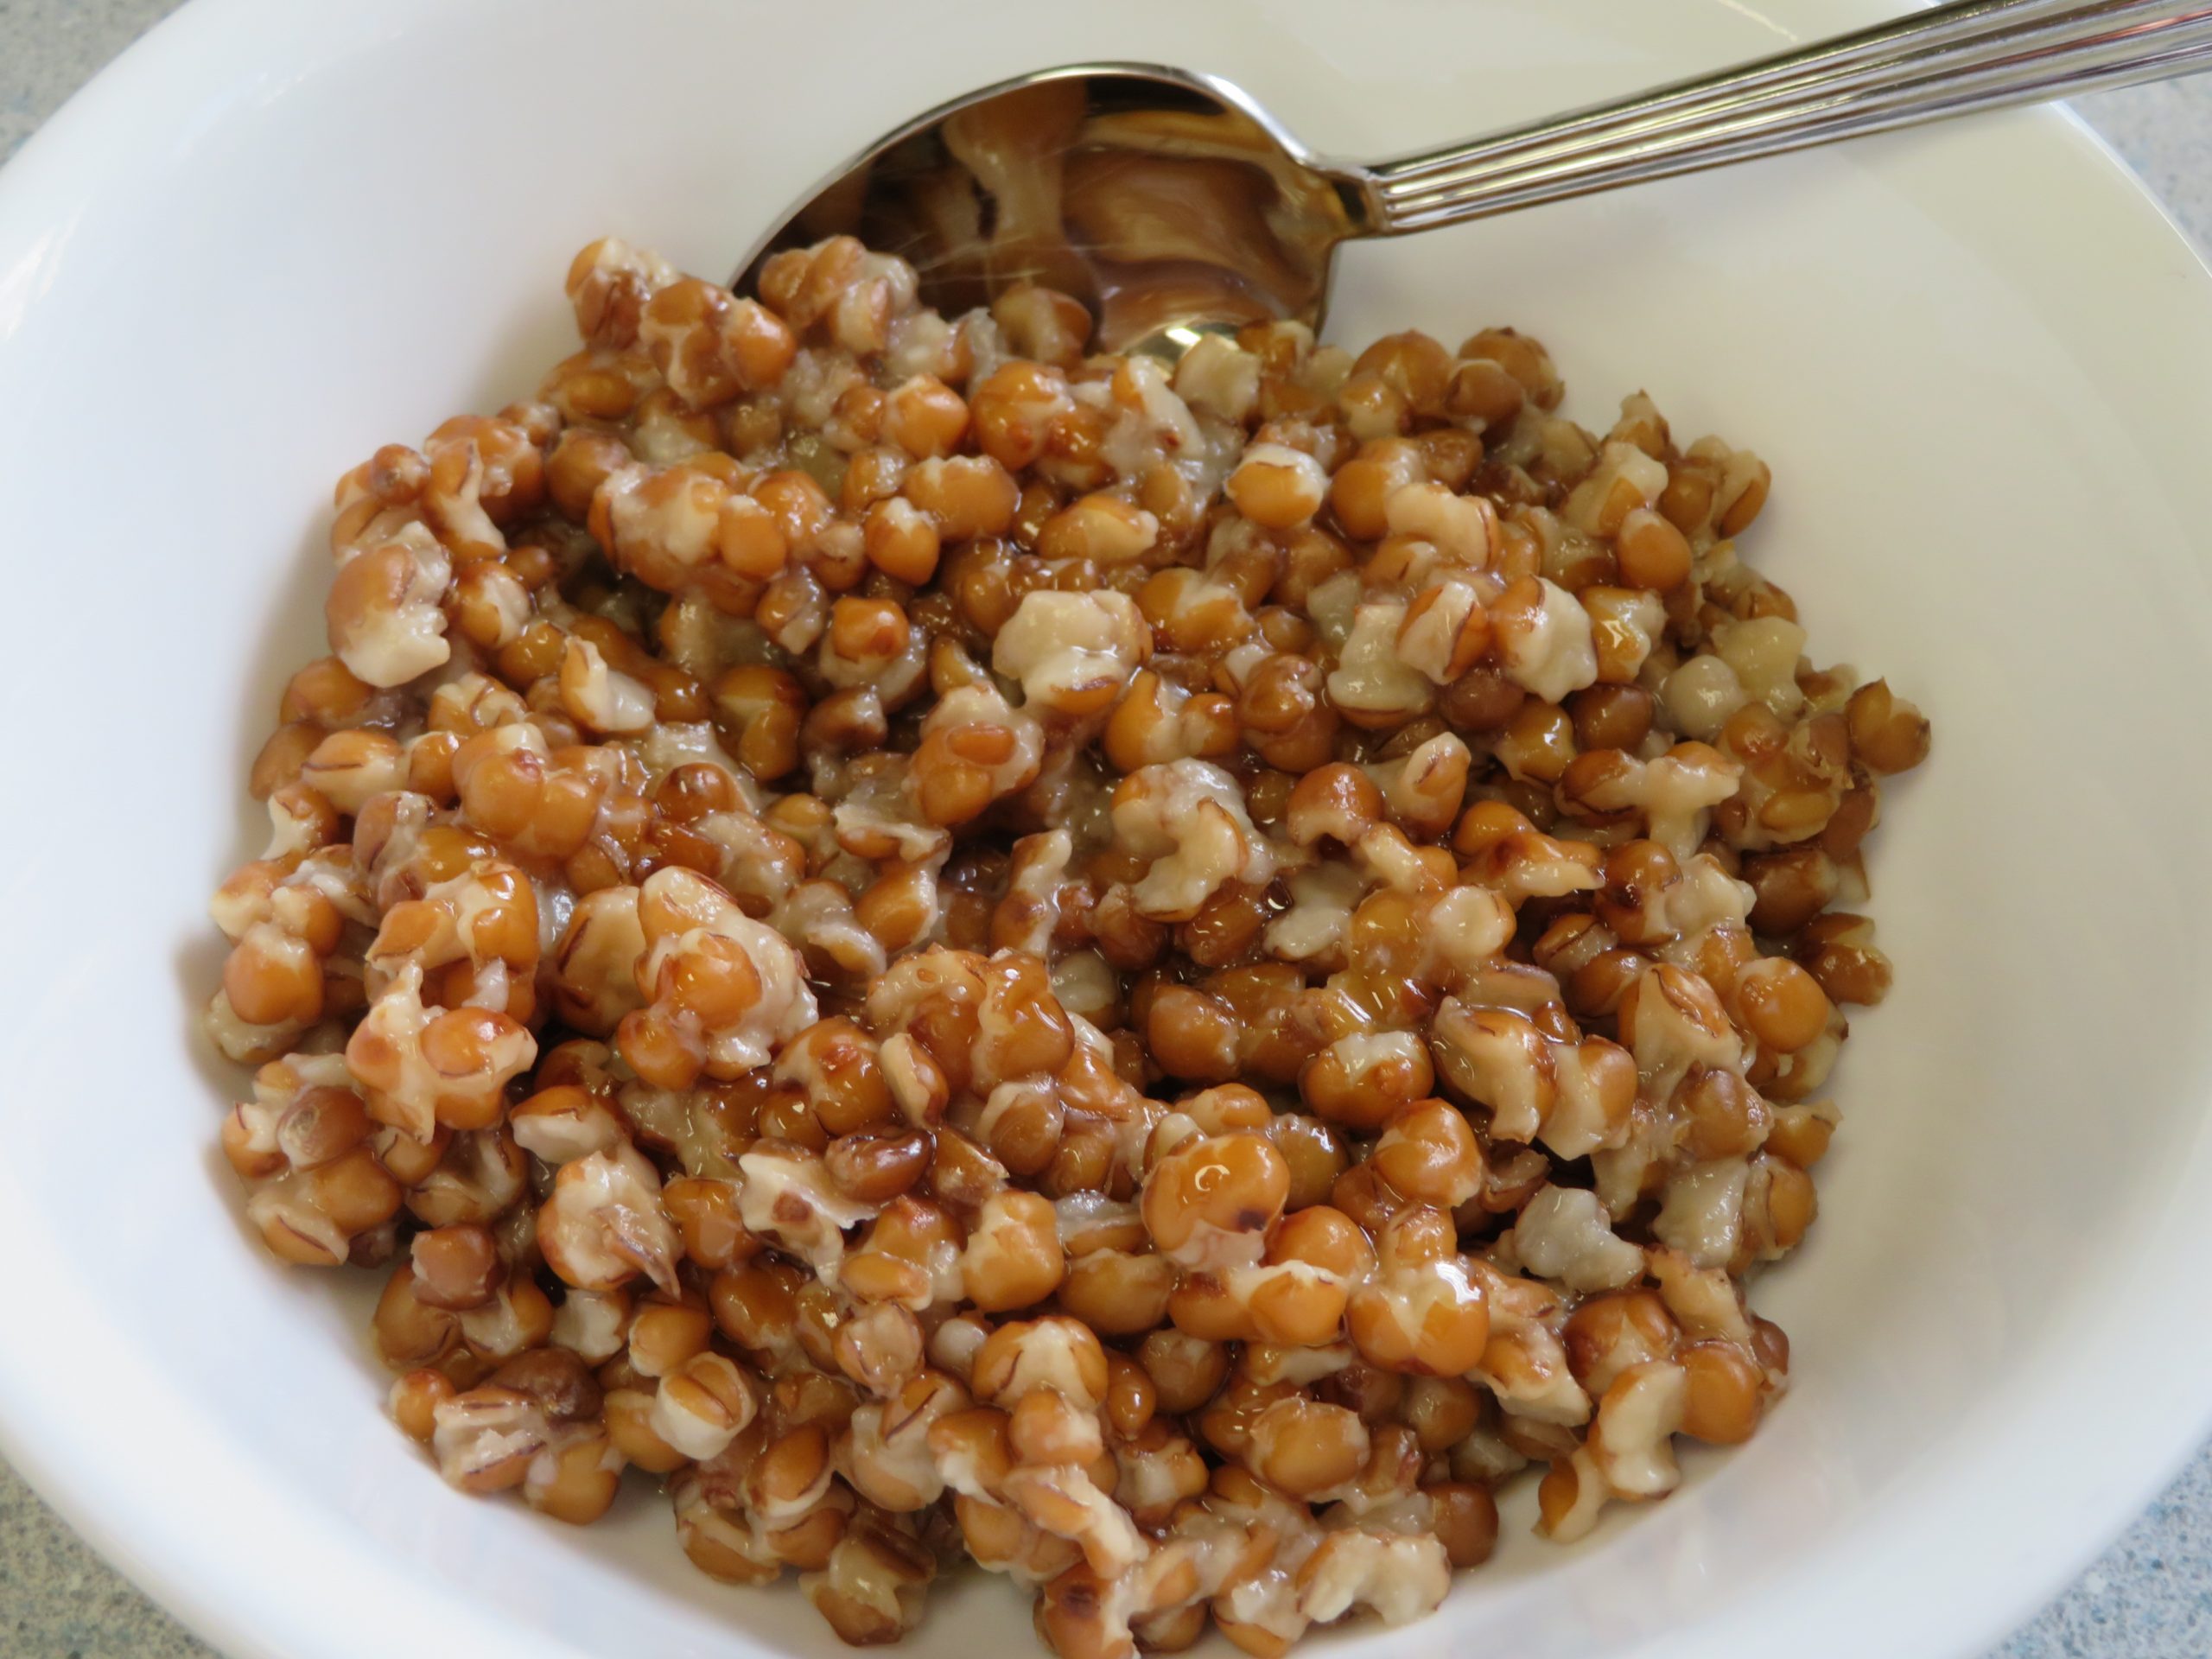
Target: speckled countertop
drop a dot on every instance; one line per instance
(2149, 1597)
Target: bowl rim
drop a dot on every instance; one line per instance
(185, 1553)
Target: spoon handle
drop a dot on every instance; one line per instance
(1971, 54)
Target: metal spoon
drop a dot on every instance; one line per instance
(1172, 204)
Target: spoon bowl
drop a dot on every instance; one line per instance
(1169, 202)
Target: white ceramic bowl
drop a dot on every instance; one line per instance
(275, 236)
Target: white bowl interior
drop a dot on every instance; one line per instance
(1979, 362)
